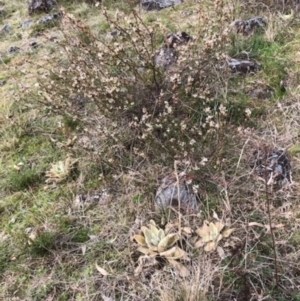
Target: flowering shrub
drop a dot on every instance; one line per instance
(166, 112)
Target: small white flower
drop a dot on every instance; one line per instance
(195, 188)
(223, 110)
(203, 161)
(248, 112)
(192, 142)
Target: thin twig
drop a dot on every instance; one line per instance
(178, 196)
(270, 220)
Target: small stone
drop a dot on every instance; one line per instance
(159, 4)
(282, 86)
(274, 164)
(243, 66)
(26, 24)
(33, 44)
(248, 26)
(13, 49)
(91, 198)
(2, 82)
(177, 39)
(49, 18)
(115, 32)
(5, 29)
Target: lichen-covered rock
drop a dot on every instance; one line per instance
(176, 194)
(274, 164)
(243, 66)
(158, 4)
(248, 26)
(37, 6)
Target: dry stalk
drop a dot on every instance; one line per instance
(178, 196)
(270, 219)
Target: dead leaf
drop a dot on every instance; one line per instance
(102, 271)
(204, 233)
(147, 251)
(170, 227)
(200, 243)
(221, 252)
(210, 246)
(145, 262)
(219, 226)
(204, 230)
(187, 230)
(179, 268)
(167, 242)
(228, 232)
(213, 231)
(140, 239)
(175, 253)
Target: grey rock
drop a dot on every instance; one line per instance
(48, 18)
(243, 66)
(92, 198)
(13, 49)
(5, 29)
(115, 32)
(171, 193)
(176, 39)
(248, 26)
(37, 6)
(273, 164)
(26, 24)
(165, 57)
(33, 44)
(158, 4)
(2, 82)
